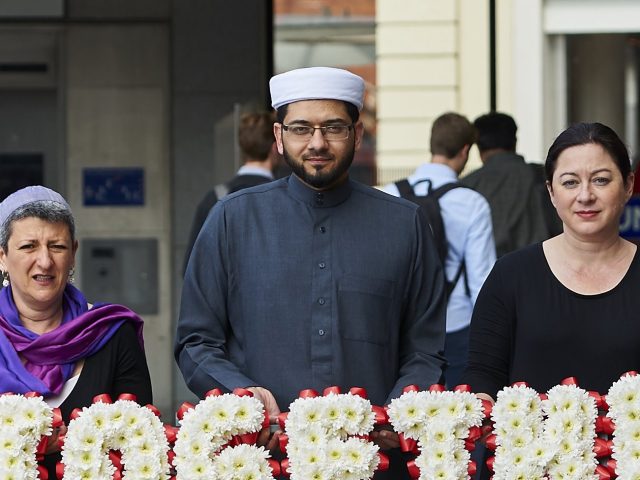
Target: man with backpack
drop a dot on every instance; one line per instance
(460, 221)
(260, 159)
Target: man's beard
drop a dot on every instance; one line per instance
(321, 179)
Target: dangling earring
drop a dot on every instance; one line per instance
(5, 279)
(70, 278)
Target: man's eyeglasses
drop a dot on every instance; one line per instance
(329, 132)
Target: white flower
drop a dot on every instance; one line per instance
(321, 445)
(23, 421)
(206, 428)
(440, 421)
(123, 425)
(624, 409)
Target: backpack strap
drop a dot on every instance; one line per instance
(221, 190)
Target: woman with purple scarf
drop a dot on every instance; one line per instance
(52, 341)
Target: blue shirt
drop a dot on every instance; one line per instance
(291, 288)
(467, 221)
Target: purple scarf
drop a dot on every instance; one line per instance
(48, 359)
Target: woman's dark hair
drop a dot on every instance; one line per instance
(52, 212)
(352, 111)
(583, 134)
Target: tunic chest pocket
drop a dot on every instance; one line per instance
(364, 306)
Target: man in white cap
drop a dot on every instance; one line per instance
(313, 280)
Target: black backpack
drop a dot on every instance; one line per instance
(431, 205)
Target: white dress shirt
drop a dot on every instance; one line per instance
(467, 221)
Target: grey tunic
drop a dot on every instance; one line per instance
(290, 288)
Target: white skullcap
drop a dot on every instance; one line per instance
(316, 83)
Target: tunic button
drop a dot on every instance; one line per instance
(321, 265)
(323, 230)
(321, 301)
(321, 332)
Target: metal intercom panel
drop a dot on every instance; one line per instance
(123, 271)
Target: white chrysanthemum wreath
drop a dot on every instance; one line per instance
(624, 409)
(440, 421)
(135, 431)
(327, 437)
(216, 422)
(530, 446)
(24, 420)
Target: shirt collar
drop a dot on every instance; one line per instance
(318, 198)
(254, 170)
(438, 171)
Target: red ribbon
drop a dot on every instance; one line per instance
(242, 392)
(569, 381)
(519, 384)
(437, 387)
(43, 474)
(475, 433)
(414, 471)
(410, 388)
(128, 396)
(603, 473)
(284, 467)
(472, 468)
(490, 461)
(598, 399)
(308, 393)
(116, 459)
(171, 455)
(59, 469)
(75, 413)
(630, 373)
(153, 409)
(358, 391)
(469, 445)
(275, 467)
(407, 444)
(283, 441)
(170, 432)
(248, 438)
(184, 408)
(282, 419)
(380, 414)
(216, 392)
(462, 388)
(602, 447)
(103, 397)
(383, 462)
(329, 390)
(605, 424)
(32, 394)
(487, 407)
(57, 418)
(490, 442)
(612, 465)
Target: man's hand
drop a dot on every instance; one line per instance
(385, 438)
(53, 444)
(270, 442)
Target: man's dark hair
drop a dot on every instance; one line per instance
(496, 130)
(255, 135)
(352, 111)
(450, 132)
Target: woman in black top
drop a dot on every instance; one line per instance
(566, 306)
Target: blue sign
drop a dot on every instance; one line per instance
(630, 220)
(113, 187)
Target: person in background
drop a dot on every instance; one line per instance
(467, 222)
(314, 280)
(565, 307)
(260, 159)
(514, 189)
(53, 341)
